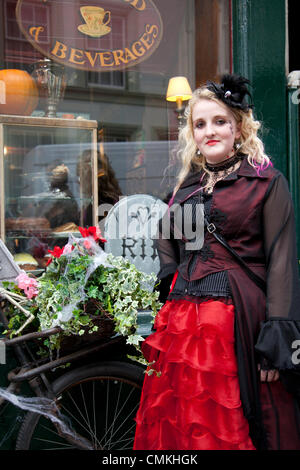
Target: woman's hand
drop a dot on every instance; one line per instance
(268, 375)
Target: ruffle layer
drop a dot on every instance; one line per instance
(187, 382)
(195, 402)
(186, 334)
(198, 439)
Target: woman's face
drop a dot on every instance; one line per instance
(215, 130)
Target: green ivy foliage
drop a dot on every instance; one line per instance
(117, 288)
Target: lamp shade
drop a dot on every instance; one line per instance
(178, 88)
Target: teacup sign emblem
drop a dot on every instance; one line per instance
(82, 42)
(96, 21)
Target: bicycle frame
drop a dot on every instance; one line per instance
(35, 375)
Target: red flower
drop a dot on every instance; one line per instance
(94, 232)
(56, 252)
(83, 231)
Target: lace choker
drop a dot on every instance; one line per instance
(224, 165)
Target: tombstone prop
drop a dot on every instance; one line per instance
(130, 229)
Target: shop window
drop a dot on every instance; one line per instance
(212, 39)
(137, 128)
(40, 16)
(16, 51)
(107, 79)
(114, 79)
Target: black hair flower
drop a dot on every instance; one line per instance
(232, 91)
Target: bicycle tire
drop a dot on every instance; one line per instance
(121, 385)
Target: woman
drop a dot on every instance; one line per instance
(226, 372)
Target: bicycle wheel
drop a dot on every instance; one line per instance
(99, 401)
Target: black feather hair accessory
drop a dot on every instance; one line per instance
(232, 91)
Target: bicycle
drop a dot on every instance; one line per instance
(94, 405)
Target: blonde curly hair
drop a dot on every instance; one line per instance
(249, 143)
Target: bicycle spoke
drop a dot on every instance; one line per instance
(74, 417)
(128, 447)
(106, 416)
(94, 438)
(120, 426)
(55, 432)
(126, 432)
(124, 422)
(62, 444)
(48, 429)
(114, 419)
(94, 410)
(127, 440)
(87, 428)
(99, 408)
(118, 414)
(59, 448)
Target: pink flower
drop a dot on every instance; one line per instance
(68, 248)
(28, 284)
(87, 244)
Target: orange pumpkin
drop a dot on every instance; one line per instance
(18, 92)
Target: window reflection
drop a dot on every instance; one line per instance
(136, 128)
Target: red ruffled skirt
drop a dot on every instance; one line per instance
(195, 403)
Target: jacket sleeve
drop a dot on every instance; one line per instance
(168, 252)
(279, 336)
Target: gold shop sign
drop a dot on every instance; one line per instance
(95, 35)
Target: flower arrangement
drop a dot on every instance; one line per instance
(79, 276)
